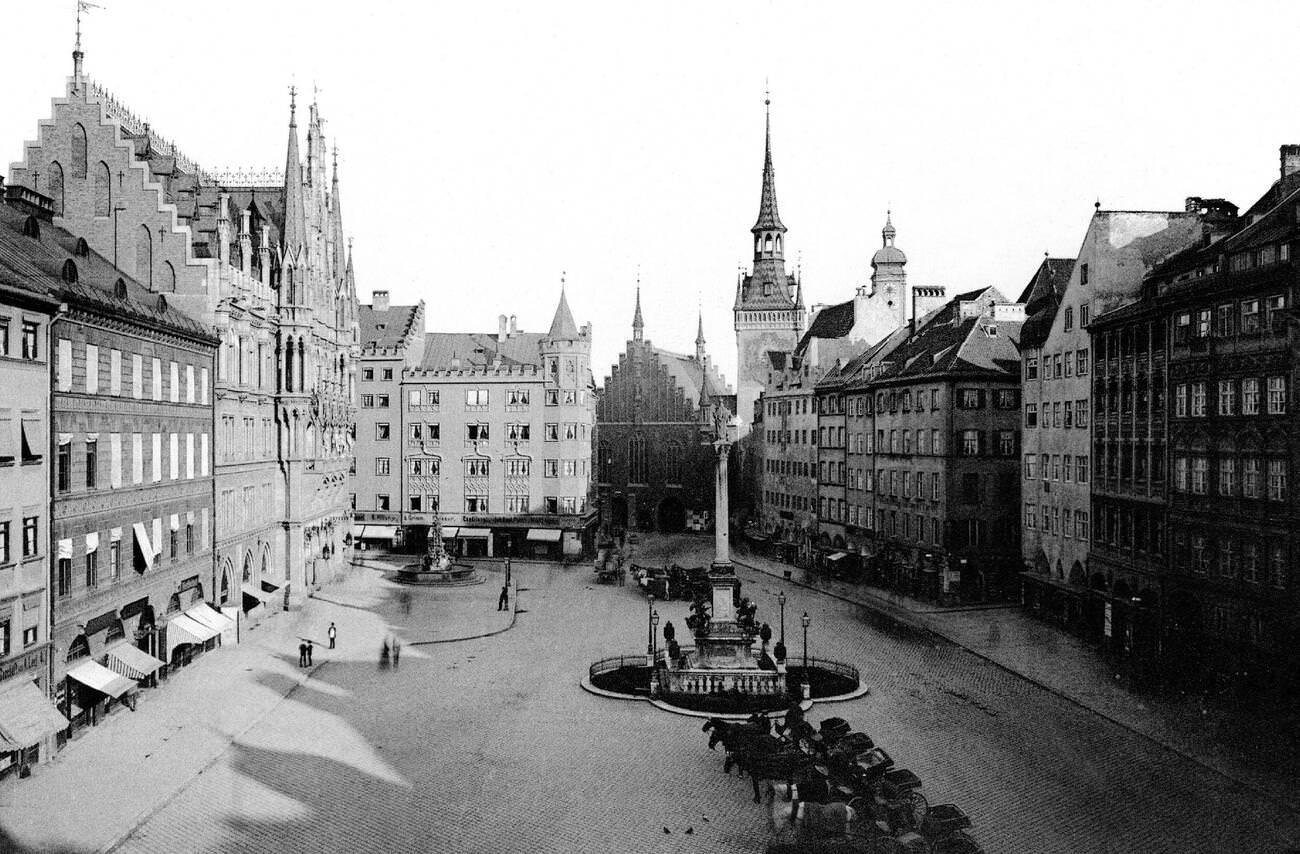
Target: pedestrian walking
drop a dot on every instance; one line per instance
(309, 653)
(302, 654)
(333, 633)
(503, 601)
(384, 656)
(397, 653)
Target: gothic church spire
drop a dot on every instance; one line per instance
(295, 219)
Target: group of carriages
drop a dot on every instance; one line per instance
(835, 791)
(673, 582)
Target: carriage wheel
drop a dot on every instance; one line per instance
(957, 842)
(915, 807)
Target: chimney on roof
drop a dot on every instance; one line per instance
(501, 328)
(513, 329)
(1289, 155)
(380, 301)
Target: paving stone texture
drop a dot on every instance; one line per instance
(489, 745)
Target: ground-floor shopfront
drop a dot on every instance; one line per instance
(540, 537)
(29, 722)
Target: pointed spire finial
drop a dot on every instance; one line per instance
(769, 220)
(888, 232)
(293, 105)
(638, 325)
(1097, 205)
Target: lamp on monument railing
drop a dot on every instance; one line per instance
(806, 621)
(778, 651)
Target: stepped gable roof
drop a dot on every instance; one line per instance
(695, 382)
(833, 321)
(480, 350)
(385, 328)
(36, 264)
(1042, 298)
(948, 344)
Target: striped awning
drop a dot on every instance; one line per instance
(210, 617)
(92, 674)
(127, 660)
(27, 716)
(183, 630)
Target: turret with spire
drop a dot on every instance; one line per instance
(638, 325)
(295, 219)
(768, 230)
(699, 338)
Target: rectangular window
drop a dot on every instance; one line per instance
(1277, 480)
(1250, 396)
(1277, 395)
(381, 401)
(1031, 466)
(1056, 467)
(381, 502)
(1180, 474)
(1031, 415)
(1081, 362)
(381, 432)
(1223, 320)
(1250, 477)
(189, 538)
(1083, 274)
(551, 432)
(367, 374)
(65, 576)
(4, 336)
(367, 401)
(173, 456)
(92, 369)
(137, 376)
(31, 349)
(155, 366)
(387, 374)
(92, 570)
(1250, 317)
(476, 467)
(1182, 327)
(1200, 475)
(1007, 443)
(970, 443)
(5, 555)
(970, 398)
(203, 455)
(414, 398)
(476, 432)
(1227, 397)
(476, 504)
(1056, 414)
(1069, 318)
(1227, 476)
(115, 558)
(63, 374)
(1198, 400)
(63, 463)
(1069, 364)
(92, 463)
(476, 397)
(155, 461)
(1080, 469)
(1276, 316)
(382, 466)
(115, 372)
(1081, 413)
(31, 546)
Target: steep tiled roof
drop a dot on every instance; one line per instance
(1042, 298)
(833, 321)
(562, 326)
(478, 350)
(690, 376)
(385, 328)
(38, 262)
(948, 344)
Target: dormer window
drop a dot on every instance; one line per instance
(32, 228)
(767, 289)
(69, 272)
(83, 249)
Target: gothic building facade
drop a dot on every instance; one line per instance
(654, 471)
(261, 261)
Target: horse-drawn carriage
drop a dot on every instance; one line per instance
(609, 567)
(843, 792)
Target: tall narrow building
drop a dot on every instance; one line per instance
(769, 314)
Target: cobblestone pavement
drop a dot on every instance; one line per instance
(489, 745)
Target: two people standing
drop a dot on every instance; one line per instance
(304, 653)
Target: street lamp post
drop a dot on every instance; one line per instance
(654, 639)
(780, 598)
(650, 628)
(806, 621)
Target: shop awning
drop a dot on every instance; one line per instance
(474, 533)
(97, 676)
(449, 533)
(358, 531)
(183, 629)
(543, 535)
(252, 597)
(835, 556)
(127, 660)
(27, 715)
(379, 532)
(210, 617)
(268, 587)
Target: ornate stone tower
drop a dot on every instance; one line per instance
(769, 313)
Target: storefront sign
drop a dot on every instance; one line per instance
(377, 516)
(30, 661)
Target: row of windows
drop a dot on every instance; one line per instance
(791, 437)
(1229, 557)
(28, 344)
(31, 545)
(479, 432)
(799, 468)
(246, 442)
(94, 371)
(246, 507)
(1234, 476)
(794, 406)
(1056, 467)
(1058, 365)
(1247, 317)
(1058, 414)
(1191, 400)
(1056, 521)
(429, 503)
(91, 451)
(477, 467)
(786, 501)
(181, 536)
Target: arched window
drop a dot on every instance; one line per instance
(636, 458)
(69, 272)
(288, 286)
(119, 289)
(103, 190)
(778, 244)
(167, 277)
(767, 243)
(286, 361)
(78, 151)
(54, 187)
(32, 227)
(83, 248)
(144, 256)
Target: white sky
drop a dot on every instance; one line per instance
(485, 148)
